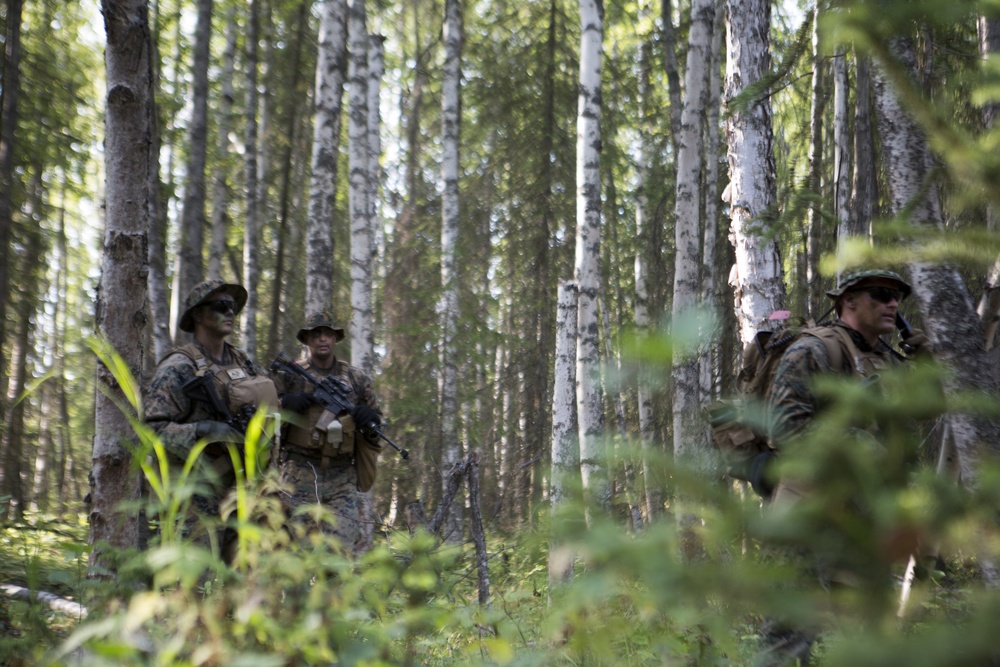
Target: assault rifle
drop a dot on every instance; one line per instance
(332, 393)
(202, 388)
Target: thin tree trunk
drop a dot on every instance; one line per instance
(161, 336)
(863, 181)
(752, 193)
(451, 110)
(330, 67)
(120, 306)
(814, 224)
(8, 127)
(670, 66)
(841, 153)
(565, 435)
(593, 458)
(251, 231)
(643, 215)
(690, 429)
(989, 304)
(220, 185)
(192, 221)
(361, 325)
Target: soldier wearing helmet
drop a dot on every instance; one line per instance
(210, 312)
(325, 457)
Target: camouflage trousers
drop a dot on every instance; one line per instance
(334, 488)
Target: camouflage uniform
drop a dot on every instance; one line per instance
(175, 417)
(324, 474)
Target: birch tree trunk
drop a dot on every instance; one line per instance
(220, 187)
(945, 304)
(841, 153)
(593, 460)
(120, 306)
(690, 430)
(756, 276)
(251, 230)
(192, 221)
(451, 108)
(814, 223)
(330, 66)
(361, 329)
(376, 68)
(565, 445)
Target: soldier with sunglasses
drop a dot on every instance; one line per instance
(866, 303)
(210, 312)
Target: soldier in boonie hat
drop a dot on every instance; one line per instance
(201, 292)
(315, 321)
(870, 278)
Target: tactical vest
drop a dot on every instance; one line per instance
(238, 383)
(322, 434)
(838, 340)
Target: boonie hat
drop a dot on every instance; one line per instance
(200, 293)
(317, 320)
(859, 279)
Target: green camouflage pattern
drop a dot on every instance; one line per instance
(334, 488)
(202, 291)
(317, 320)
(792, 403)
(857, 278)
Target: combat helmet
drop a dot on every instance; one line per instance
(200, 293)
(858, 279)
(317, 320)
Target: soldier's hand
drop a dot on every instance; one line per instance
(296, 402)
(917, 344)
(365, 416)
(217, 432)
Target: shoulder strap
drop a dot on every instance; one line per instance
(192, 352)
(841, 349)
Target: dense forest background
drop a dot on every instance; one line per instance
(442, 175)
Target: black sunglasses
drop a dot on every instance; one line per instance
(221, 306)
(884, 294)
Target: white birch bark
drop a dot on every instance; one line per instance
(945, 304)
(251, 231)
(565, 443)
(690, 430)
(192, 222)
(647, 425)
(120, 308)
(814, 221)
(756, 276)
(330, 66)
(220, 187)
(593, 462)
(376, 68)
(841, 153)
(448, 305)
(361, 329)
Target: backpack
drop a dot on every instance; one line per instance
(739, 423)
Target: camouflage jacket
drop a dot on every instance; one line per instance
(173, 415)
(791, 400)
(362, 388)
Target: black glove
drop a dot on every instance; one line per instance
(916, 344)
(759, 475)
(296, 402)
(214, 431)
(365, 416)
